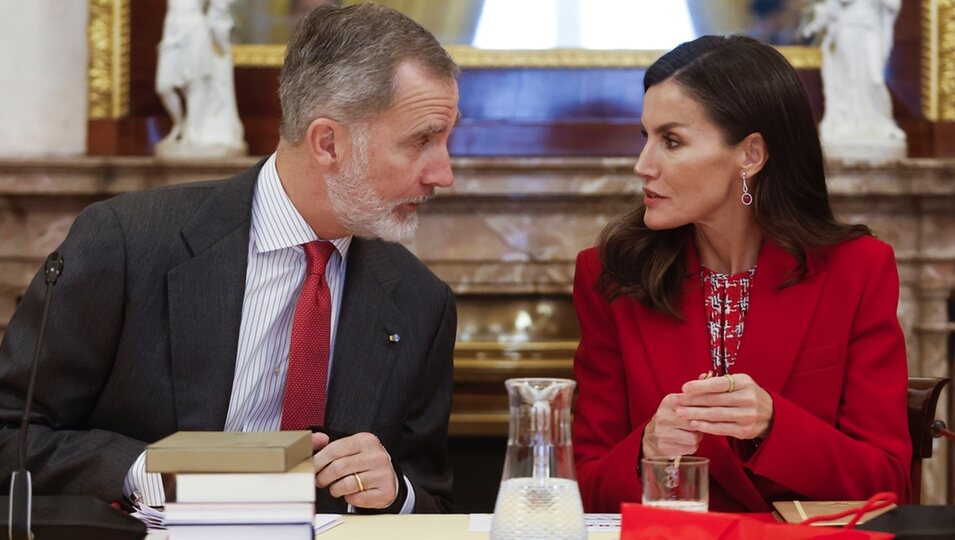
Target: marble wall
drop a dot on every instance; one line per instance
(512, 227)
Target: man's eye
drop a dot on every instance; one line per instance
(423, 141)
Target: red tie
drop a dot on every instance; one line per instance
(305, 386)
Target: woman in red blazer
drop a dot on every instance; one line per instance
(731, 316)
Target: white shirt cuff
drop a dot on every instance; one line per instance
(408, 506)
(141, 487)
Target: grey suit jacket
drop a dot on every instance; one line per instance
(143, 332)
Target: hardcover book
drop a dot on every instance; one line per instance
(238, 513)
(296, 485)
(219, 451)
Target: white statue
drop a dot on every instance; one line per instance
(857, 123)
(194, 80)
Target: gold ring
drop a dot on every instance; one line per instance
(360, 486)
(732, 383)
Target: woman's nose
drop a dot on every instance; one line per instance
(643, 167)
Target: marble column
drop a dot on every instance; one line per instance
(43, 62)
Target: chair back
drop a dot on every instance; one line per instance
(923, 400)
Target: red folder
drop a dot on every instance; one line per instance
(649, 523)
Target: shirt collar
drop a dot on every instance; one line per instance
(276, 223)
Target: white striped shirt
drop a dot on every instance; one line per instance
(274, 277)
(275, 273)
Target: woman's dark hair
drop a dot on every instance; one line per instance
(744, 87)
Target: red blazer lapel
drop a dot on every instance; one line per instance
(677, 350)
(778, 319)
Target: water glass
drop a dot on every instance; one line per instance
(680, 484)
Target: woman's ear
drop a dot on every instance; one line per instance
(754, 154)
(322, 137)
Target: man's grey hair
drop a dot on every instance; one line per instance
(341, 64)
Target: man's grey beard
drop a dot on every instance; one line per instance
(359, 208)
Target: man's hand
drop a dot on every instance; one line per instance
(357, 468)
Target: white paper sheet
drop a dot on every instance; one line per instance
(593, 522)
(323, 522)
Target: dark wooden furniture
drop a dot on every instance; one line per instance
(923, 427)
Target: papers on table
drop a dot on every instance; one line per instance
(155, 519)
(594, 522)
(323, 522)
(602, 522)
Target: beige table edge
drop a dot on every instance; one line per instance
(419, 527)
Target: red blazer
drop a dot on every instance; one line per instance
(829, 350)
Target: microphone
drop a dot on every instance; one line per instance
(21, 489)
(76, 517)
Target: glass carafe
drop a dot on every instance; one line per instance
(538, 497)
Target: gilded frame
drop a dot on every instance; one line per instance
(108, 72)
(108, 81)
(469, 57)
(938, 60)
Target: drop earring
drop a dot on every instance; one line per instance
(746, 199)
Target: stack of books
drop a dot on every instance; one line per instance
(237, 485)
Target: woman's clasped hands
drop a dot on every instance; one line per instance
(730, 405)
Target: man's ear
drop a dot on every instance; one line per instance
(754, 154)
(324, 137)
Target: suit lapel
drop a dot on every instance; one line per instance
(678, 350)
(205, 303)
(778, 319)
(776, 323)
(362, 345)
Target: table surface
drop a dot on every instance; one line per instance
(419, 527)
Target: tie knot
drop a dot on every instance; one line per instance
(316, 256)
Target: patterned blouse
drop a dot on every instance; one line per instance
(727, 301)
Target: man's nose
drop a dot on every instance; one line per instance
(440, 174)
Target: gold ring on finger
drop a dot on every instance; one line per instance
(358, 480)
(732, 383)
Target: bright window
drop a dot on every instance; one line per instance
(590, 24)
(525, 24)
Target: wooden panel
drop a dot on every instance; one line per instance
(905, 63)
(944, 139)
(146, 19)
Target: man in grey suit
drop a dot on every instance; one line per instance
(175, 309)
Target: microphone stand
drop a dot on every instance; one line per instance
(21, 489)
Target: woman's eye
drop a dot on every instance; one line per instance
(670, 142)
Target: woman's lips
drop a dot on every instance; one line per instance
(650, 197)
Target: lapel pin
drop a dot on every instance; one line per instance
(394, 338)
